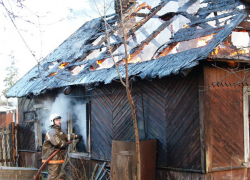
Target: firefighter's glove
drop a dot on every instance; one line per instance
(71, 136)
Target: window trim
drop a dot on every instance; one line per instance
(27, 112)
(246, 94)
(88, 131)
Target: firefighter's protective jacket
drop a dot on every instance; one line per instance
(55, 139)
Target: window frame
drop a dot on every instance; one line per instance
(88, 128)
(27, 112)
(246, 94)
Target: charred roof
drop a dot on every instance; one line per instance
(161, 43)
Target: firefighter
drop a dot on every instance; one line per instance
(55, 139)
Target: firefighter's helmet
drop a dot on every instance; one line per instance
(53, 117)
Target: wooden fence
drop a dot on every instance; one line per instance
(8, 145)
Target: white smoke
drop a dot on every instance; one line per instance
(64, 105)
(81, 121)
(61, 106)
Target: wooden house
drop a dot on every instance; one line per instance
(190, 90)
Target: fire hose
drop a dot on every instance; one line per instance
(51, 156)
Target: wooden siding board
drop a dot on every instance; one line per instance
(122, 117)
(170, 106)
(225, 118)
(183, 125)
(101, 124)
(226, 127)
(154, 107)
(239, 174)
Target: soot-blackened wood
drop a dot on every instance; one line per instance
(183, 124)
(26, 129)
(170, 110)
(101, 123)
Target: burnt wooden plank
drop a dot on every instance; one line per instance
(101, 124)
(154, 102)
(122, 116)
(183, 124)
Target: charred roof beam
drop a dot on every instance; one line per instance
(140, 47)
(217, 37)
(144, 20)
(192, 18)
(186, 34)
(164, 49)
(216, 5)
(199, 21)
(107, 35)
(147, 35)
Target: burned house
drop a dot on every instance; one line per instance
(189, 82)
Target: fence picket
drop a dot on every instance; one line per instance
(8, 145)
(4, 147)
(1, 149)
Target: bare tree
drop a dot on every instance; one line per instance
(126, 82)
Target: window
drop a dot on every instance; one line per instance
(246, 106)
(75, 113)
(81, 126)
(29, 116)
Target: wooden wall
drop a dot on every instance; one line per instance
(27, 135)
(224, 117)
(239, 174)
(26, 142)
(169, 108)
(6, 118)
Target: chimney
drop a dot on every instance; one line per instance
(128, 7)
(126, 4)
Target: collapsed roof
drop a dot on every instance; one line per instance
(157, 47)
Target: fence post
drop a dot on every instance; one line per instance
(16, 144)
(12, 143)
(1, 147)
(4, 146)
(8, 152)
